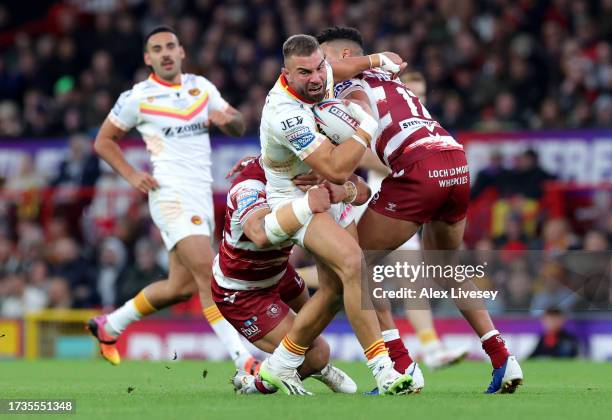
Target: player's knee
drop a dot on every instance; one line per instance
(202, 270)
(185, 292)
(350, 267)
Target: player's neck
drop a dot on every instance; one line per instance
(174, 82)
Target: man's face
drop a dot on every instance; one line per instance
(307, 75)
(164, 54)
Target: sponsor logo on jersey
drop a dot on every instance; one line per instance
(194, 92)
(196, 220)
(301, 138)
(151, 98)
(291, 122)
(187, 130)
(246, 199)
(273, 311)
(341, 87)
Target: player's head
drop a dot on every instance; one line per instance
(163, 52)
(305, 67)
(341, 42)
(415, 81)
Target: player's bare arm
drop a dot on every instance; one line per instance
(286, 218)
(350, 67)
(369, 160)
(107, 148)
(230, 121)
(337, 163)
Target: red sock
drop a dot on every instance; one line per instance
(399, 354)
(261, 387)
(495, 347)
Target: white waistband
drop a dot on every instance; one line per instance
(237, 284)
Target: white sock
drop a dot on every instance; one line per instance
(432, 346)
(377, 361)
(232, 342)
(488, 335)
(285, 359)
(120, 318)
(390, 335)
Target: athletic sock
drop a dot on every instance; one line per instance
(495, 347)
(228, 335)
(377, 354)
(288, 354)
(397, 350)
(264, 387)
(131, 311)
(429, 341)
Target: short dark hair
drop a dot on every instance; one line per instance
(157, 30)
(340, 32)
(301, 45)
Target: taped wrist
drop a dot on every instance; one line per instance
(387, 64)
(301, 208)
(274, 232)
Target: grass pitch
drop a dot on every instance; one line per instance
(200, 389)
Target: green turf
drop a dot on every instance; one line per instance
(178, 390)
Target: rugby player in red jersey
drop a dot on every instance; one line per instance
(428, 186)
(255, 287)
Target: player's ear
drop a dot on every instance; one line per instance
(346, 52)
(285, 72)
(182, 52)
(147, 58)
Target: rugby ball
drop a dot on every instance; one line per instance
(334, 120)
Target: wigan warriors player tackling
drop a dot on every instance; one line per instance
(428, 185)
(255, 287)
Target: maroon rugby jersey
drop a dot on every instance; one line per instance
(240, 265)
(407, 132)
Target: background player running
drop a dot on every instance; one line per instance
(173, 113)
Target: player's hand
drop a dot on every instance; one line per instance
(318, 200)
(337, 193)
(306, 181)
(220, 118)
(393, 63)
(143, 182)
(240, 165)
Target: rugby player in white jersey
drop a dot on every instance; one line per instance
(173, 112)
(291, 145)
(414, 146)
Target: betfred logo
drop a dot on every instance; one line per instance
(343, 116)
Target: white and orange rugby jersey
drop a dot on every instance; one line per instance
(173, 122)
(288, 135)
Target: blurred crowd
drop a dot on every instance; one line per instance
(490, 64)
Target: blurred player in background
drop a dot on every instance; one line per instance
(413, 146)
(255, 287)
(433, 352)
(291, 145)
(173, 112)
